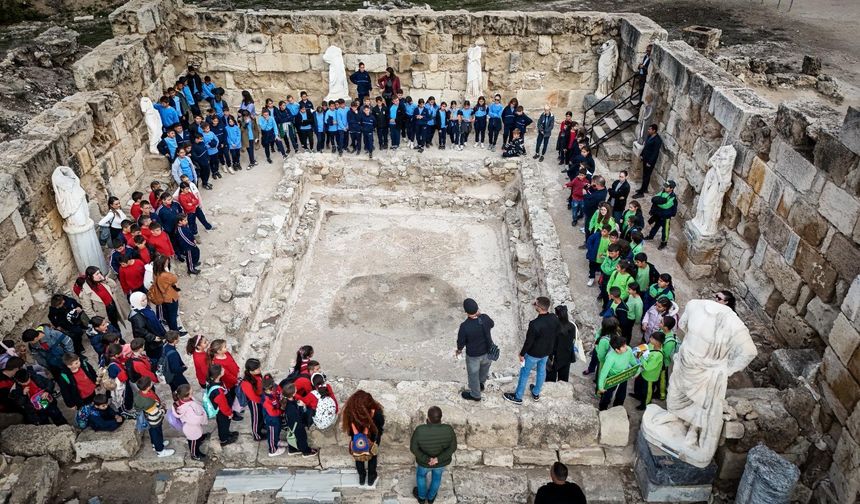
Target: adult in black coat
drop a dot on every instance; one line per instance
(538, 346)
(595, 195)
(650, 153)
(558, 367)
(619, 191)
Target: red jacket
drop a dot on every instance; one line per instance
(161, 244)
(576, 186)
(303, 385)
(144, 254)
(189, 202)
(131, 276)
(142, 367)
(129, 239)
(311, 400)
(253, 391)
(135, 210)
(231, 370)
(219, 398)
(155, 202)
(272, 403)
(201, 367)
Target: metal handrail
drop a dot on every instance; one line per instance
(632, 77)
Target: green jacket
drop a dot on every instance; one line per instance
(670, 346)
(614, 364)
(656, 292)
(652, 365)
(593, 225)
(643, 277)
(607, 267)
(433, 440)
(602, 347)
(620, 280)
(601, 249)
(635, 309)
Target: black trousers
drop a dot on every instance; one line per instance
(560, 374)
(646, 177)
(223, 423)
(620, 393)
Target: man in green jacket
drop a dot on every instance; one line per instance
(433, 445)
(664, 206)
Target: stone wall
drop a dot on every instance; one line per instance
(790, 219)
(539, 57)
(99, 132)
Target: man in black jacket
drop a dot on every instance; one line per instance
(474, 336)
(618, 192)
(594, 196)
(539, 344)
(650, 152)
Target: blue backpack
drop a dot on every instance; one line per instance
(82, 417)
(240, 395)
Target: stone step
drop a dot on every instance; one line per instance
(610, 123)
(623, 115)
(598, 133)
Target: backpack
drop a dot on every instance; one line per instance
(82, 417)
(210, 407)
(291, 435)
(132, 374)
(361, 447)
(326, 413)
(164, 367)
(241, 397)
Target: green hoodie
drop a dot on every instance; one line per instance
(615, 363)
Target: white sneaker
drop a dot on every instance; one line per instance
(582, 230)
(166, 442)
(165, 453)
(278, 452)
(477, 145)
(590, 282)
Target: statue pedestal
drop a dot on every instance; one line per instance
(85, 246)
(604, 107)
(664, 478)
(699, 254)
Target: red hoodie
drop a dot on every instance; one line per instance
(201, 367)
(576, 186)
(189, 202)
(231, 370)
(161, 244)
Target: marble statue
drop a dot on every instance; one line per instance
(718, 180)
(153, 123)
(606, 68)
(72, 205)
(716, 345)
(338, 86)
(473, 73)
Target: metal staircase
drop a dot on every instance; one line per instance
(623, 115)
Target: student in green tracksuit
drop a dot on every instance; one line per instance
(607, 267)
(621, 278)
(620, 359)
(670, 346)
(652, 366)
(608, 328)
(634, 306)
(646, 273)
(664, 206)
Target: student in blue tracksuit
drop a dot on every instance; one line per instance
(220, 130)
(169, 115)
(393, 127)
(368, 126)
(269, 132)
(304, 122)
(454, 124)
(494, 112)
(219, 105)
(201, 158)
(332, 133)
(250, 136)
(290, 134)
(182, 136)
(354, 124)
(466, 123)
(168, 145)
(521, 122)
(362, 82)
(442, 120)
(409, 108)
(420, 119)
(304, 102)
(319, 127)
(431, 107)
(508, 120)
(212, 148)
(186, 247)
(207, 89)
(192, 103)
(480, 123)
(380, 114)
(342, 126)
(234, 141)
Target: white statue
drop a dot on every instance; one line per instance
(338, 86)
(473, 73)
(606, 67)
(718, 180)
(153, 123)
(717, 344)
(72, 207)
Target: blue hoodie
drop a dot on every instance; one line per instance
(234, 137)
(342, 121)
(353, 120)
(211, 141)
(319, 120)
(169, 117)
(331, 119)
(495, 110)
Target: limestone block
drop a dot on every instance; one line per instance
(242, 453)
(839, 207)
(843, 339)
(122, 443)
(329, 437)
(844, 256)
(147, 460)
(820, 316)
(559, 425)
(492, 428)
(759, 285)
(582, 456)
(468, 458)
(136, 17)
(619, 456)
(31, 481)
(440, 43)
(14, 305)
(731, 463)
(850, 131)
(534, 456)
(38, 440)
(372, 62)
(498, 457)
(807, 223)
(255, 43)
(452, 62)
(544, 45)
(299, 43)
(787, 365)
(851, 303)
(230, 62)
(486, 486)
(334, 458)
(845, 470)
(614, 427)
(840, 388)
(784, 278)
(282, 62)
(436, 80)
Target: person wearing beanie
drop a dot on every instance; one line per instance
(474, 336)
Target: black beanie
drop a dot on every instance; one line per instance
(470, 306)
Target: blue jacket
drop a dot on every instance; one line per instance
(309, 106)
(266, 124)
(221, 132)
(218, 105)
(353, 120)
(211, 141)
(103, 420)
(466, 113)
(234, 137)
(207, 89)
(431, 114)
(199, 154)
(293, 109)
(169, 116)
(331, 119)
(424, 113)
(392, 114)
(114, 259)
(368, 123)
(591, 246)
(495, 110)
(58, 344)
(480, 111)
(342, 122)
(508, 116)
(305, 121)
(174, 363)
(282, 116)
(319, 121)
(361, 81)
(442, 118)
(168, 216)
(187, 92)
(184, 239)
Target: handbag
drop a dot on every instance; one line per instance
(104, 235)
(493, 350)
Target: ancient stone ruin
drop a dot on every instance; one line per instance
(315, 248)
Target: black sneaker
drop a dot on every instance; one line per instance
(468, 396)
(361, 479)
(482, 387)
(372, 479)
(511, 397)
(534, 396)
(229, 441)
(535, 156)
(237, 417)
(661, 246)
(638, 195)
(293, 451)
(541, 159)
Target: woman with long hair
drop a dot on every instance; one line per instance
(558, 367)
(601, 217)
(252, 387)
(113, 218)
(95, 292)
(363, 415)
(480, 111)
(389, 84)
(509, 114)
(218, 354)
(164, 293)
(303, 356)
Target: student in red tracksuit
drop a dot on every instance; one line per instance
(159, 240)
(155, 187)
(218, 395)
(218, 354)
(303, 382)
(139, 364)
(252, 387)
(143, 249)
(273, 411)
(131, 272)
(198, 347)
(190, 203)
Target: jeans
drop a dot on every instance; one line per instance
(531, 363)
(576, 209)
(477, 369)
(435, 481)
(541, 139)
